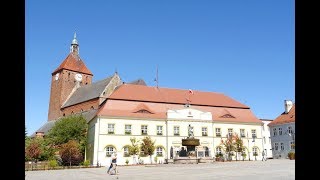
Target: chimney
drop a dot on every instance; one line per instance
(287, 106)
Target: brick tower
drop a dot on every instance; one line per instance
(71, 74)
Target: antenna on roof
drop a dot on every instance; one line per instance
(115, 71)
(157, 78)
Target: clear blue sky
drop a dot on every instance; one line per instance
(243, 49)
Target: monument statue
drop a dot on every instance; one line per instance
(190, 131)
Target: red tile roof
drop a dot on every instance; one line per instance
(124, 108)
(178, 96)
(285, 117)
(142, 106)
(74, 63)
(128, 99)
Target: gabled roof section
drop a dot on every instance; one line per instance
(285, 117)
(138, 82)
(142, 108)
(226, 114)
(132, 92)
(87, 92)
(73, 62)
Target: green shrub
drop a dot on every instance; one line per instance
(86, 163)
(53, 163)
(127, 161)
(291, 155)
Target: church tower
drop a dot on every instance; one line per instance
(71, 73)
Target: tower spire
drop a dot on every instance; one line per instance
(74, 45)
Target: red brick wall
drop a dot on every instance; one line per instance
(82, 106)
(61, 89)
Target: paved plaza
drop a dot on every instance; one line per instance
(249, 170)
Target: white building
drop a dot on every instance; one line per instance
(266, 139)
(164, 114)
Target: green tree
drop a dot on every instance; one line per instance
(134, 149)
(69, 128)
(238, 142)
(70, 153)
(46, 149)
(33, 150)
(229, 146)
(148, 147)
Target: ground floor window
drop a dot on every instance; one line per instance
(218, 150)
(109, 150)
(159, 151)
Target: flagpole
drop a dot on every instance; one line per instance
(157, 77)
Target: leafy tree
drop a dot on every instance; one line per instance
(45, 148)
(238, 142)
(70, 153)
(229, 146)
(33, 150)
(148, 147)
(134, 148)
(69, 128)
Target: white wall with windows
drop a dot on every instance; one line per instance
(248, 133)
(266, 138)
(113, 134)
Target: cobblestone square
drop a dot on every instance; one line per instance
(272, 169)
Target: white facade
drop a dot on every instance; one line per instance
(266, 139)
(109, 134)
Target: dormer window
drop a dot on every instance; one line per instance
(143, 111)
(227, 116)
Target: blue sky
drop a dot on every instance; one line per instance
(243, 49)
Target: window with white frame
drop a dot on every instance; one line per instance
(159, 130)
(253, 133)
(292, 145)
(269, 140)
(264, 140)
(230, 132)
(290, 130)
(280, 131)
(127, 129)
(110, 128)
(263, 127)
(255, 151)
(204, 131)
(126, 151)
(218, 150)
(176, 130)
(144, 129)
(109, 150)
(274, 131)
(159, 151)
(276, 146)
(242, 133)
(281, 146)
(218, 132)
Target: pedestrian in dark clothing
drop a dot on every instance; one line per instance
(263, 156)
(113, 162)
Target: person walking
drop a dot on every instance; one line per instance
(113, 162)
(263, 156)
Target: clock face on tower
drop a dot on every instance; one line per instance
(78, 77)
